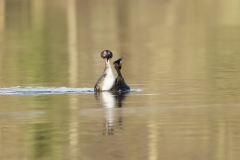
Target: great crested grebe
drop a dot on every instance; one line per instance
(120, 84)
(107, 80)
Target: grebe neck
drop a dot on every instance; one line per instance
(108, 68)
(119, 73)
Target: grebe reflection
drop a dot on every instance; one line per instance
(113, 117)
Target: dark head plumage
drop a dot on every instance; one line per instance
(106, 54)
(118, 63)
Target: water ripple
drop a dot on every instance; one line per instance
(46, 90)
(42, 90)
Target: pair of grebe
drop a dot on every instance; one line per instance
(107, 82)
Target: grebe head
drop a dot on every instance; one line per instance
(118, 63)
(106, 54)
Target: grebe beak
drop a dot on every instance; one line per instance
(121, 59)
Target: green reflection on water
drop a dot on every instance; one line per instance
(43, 140)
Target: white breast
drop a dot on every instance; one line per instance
(109, 80)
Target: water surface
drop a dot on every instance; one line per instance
(181, 62)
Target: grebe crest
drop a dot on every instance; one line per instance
(106, 54)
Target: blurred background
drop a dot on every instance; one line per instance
(183, 55)
(58, 43)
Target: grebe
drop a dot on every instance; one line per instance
(107, 80)
(120, 84)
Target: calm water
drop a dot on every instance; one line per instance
(181, 61)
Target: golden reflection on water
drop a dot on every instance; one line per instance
(153, 140)
(184, 55)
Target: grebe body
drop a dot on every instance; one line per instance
(120, 85)
(107, 80)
